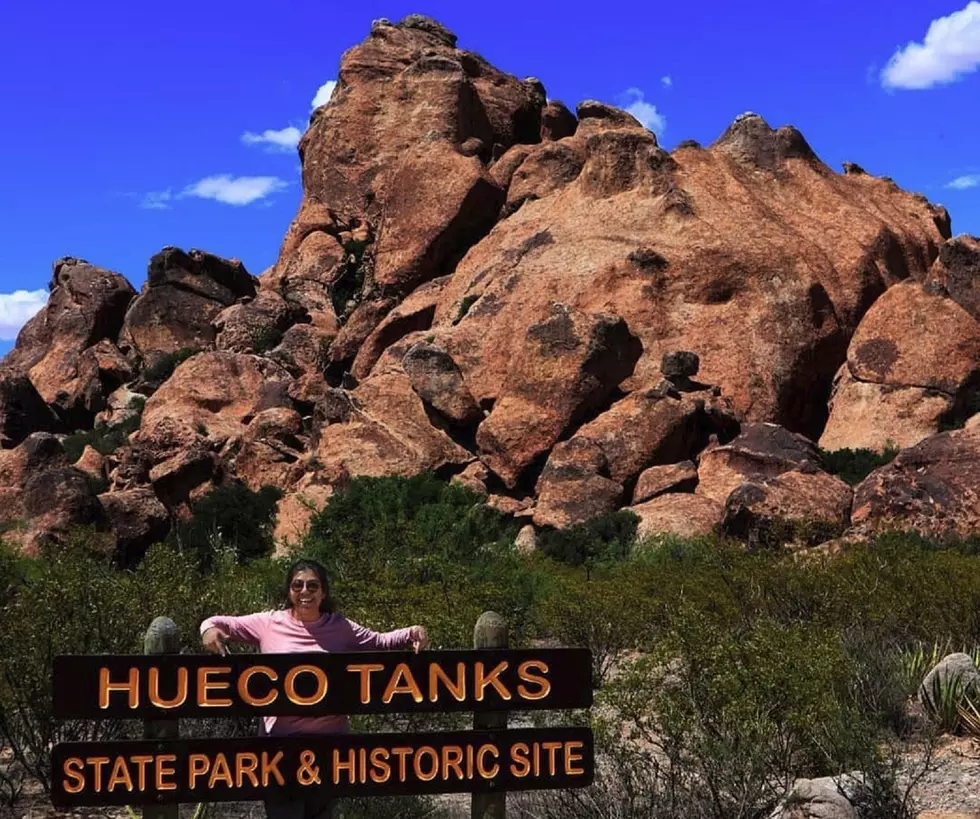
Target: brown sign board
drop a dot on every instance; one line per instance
(154, 772)
(179, 685)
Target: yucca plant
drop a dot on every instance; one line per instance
(970, 717)
(947, 695)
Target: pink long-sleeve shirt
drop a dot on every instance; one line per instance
(278, 632)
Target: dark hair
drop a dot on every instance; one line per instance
(304, 565)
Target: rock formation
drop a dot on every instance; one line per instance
(546, 306)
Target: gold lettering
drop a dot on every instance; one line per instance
(524, 674)
(245, 765)
(106, 687)
(493, 678)
(457, 688)
(520, 765)
(484, 750)
(452, 758)
(350, 766)
(205, 685)
(571, 757)
(365, 670)
(164, 770)
(401, 753)
(321, 685)
(419, 773)
(247, 675)
(78, 778)
(551, 748)
(197, 765)
(220, 771)
(120, 775)
(97, 762)
(396, 686)
(179, 698)
(142, 761)
(270, 767)
(380, 769)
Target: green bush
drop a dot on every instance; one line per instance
(231, 518)
(854, 465)
(163, 367)
(103, 439)
(602, 539)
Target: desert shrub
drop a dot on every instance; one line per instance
(854, 465)
(400, 548)
(464, 306)
(164, 366)
(727, 718)
(102, 438)
(73, 600)
(602, 539)
(231, 518)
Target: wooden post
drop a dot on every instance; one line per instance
(161, 638)
(490, 632)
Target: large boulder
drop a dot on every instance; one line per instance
(953, 669)
(932, 487)
(22, 409)
(751, 253)
(759, 453)
(182, 296)
(218, 393)
(272, 450)
(137, 519)
(913, 366)
(957, 272)
(439, 383)
(575, 485)
(571, 363)
(54, 502)
(678, 514)
(67, 348)
(254, 325)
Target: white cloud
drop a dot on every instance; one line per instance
(323, 94)
(633, 103)
(285, 139)
(235, 190)
(961, 183)
(157, 200)
(950, 50)
(667, 81)
(17, 308)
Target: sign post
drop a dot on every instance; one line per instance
(163, 770)
(161, 638)
(490, 632)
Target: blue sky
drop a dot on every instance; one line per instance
(126, 127)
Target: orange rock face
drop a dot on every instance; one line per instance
(481, 283)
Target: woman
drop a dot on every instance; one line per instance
(306, 622)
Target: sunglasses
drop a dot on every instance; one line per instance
(299, 585)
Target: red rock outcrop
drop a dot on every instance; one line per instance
(913, 366)
(67, 349)
(183, 294)
(481, 283)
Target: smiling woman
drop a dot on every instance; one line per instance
(306, 623)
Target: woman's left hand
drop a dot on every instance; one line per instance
(418, 638)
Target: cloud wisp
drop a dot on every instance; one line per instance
(949, 51)
(323, 94)
(632, 101)
(962, 183)
(235, 190)
(281, 141)
(17, 308)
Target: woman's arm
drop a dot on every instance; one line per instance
(414, 637)
(248, 628)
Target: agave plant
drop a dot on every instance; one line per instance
(970, 717)
(947, 698)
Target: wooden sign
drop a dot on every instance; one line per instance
(219, 770)
(148, 686)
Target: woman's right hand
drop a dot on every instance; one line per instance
(214, 640)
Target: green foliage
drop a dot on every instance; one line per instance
(400, 547)
(164, 367)
(103, 439)
(854, 465)
(465, 305)
(73, 600)
(265, 338)
(231, 518)
(602, 539)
